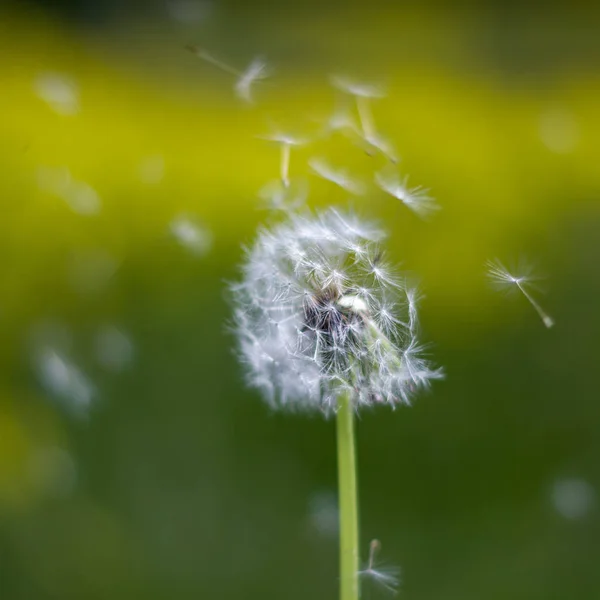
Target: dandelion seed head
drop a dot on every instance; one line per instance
(315, 318)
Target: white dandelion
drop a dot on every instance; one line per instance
(318, 313)
(416, 198)
(502, 278)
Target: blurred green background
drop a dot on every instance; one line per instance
(133, 461)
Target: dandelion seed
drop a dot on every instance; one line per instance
(307, 311)
(209, 58)
(503, 279)
(191, 234)
(412, 296)
(59, 91)
(416, 198)
(362, 94)
(338, 176)
(257, 70)
(323, 513)
(285, 141)
(65, 381)
(81, 197)
(573, 498)
(386, 577)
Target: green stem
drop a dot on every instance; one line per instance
(347, 499)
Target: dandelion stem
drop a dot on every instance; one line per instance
(348, 500)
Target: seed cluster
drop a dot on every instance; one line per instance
(319, 312)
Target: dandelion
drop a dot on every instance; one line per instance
(257, 70)
(319, 314)
(324, 324)
(338, 176)
(384, 576)
(501, 278)
(416, 198)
